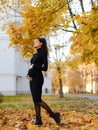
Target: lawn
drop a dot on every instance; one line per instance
(77, 113)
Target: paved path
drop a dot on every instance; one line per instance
(85, 96)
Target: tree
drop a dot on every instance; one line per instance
(37, 20)
(86, 74)
(74, 76)
(58, 66)
(74, 80)
(85, 42)
(42, 17)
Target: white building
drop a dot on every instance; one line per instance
(13, 70)
(7, 66)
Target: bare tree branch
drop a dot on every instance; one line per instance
(61, 27)
(67, 30)
(82, 7)
(92, 3)
(71, 14)
(61, 7)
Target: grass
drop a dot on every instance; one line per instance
(69, 103)
(17, 98)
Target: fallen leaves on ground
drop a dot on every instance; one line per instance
(70, 120)
(77, 113)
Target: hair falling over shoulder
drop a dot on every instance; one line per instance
(44, 45)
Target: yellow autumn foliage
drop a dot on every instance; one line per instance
(85, 42)
(38, 20)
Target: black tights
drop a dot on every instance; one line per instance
(38, 108)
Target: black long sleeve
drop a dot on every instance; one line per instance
(39, 61)
(44, 66)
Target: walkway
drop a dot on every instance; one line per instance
(84, 96)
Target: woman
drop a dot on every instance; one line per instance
(39, 63)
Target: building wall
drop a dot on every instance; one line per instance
(13, 70)
(22, 84)
(7, 66)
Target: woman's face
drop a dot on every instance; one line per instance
(37, 43)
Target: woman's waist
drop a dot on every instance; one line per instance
(38, 76)
(38, 72)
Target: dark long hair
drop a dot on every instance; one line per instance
(44, 45)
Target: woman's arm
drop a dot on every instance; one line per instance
(30, 72)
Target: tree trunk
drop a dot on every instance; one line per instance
(60, 82)
(60, 89)
(84, 76)
(91, 81)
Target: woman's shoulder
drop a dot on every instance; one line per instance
(33, 56)
(44, 54)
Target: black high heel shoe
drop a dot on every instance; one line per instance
(56, 117)
(38, 121)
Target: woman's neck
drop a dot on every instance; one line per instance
(38, 49)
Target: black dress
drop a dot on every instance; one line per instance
(40, 63)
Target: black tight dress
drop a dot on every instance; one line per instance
(40, 64)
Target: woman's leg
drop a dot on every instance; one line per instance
(55, 116)
(46, 107)
(38, 114)
(37, 109)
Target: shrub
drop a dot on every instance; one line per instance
(1, 97)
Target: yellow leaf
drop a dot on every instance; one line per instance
(30, 126)
(92, 128)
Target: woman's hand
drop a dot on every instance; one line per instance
(29, 78)
(31, 66)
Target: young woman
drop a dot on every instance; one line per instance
(39, 63)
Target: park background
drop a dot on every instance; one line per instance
(71, 30)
